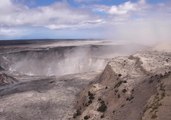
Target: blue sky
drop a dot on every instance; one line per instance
(29, 19)
(77, 3)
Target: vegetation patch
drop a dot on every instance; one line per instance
(124, 90)
(156, 103)
(130, 98)
(119, 75)
(86, 117)
(118, 84)
(102, 107)
(91, 98)
(102, 116)
(78, 113)
(116, 91)
(91, 95)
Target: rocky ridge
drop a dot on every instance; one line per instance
(130, 88)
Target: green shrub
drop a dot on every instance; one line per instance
(102, 107)
(124, 90)
(86, 117)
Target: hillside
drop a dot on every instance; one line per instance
(136, 87)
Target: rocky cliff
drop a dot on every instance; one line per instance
(136, 87)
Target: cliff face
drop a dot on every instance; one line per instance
(6, 79)
(130, 88)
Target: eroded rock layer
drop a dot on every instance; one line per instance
(136, 87)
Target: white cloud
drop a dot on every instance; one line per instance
(86, 1)
(58, 15)
(11, 32)
(123, 8)
(61, 16)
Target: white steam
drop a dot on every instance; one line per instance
(78, 60)
(146, 32)
(146, 23)
(65, 60)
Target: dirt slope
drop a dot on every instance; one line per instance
(128, 89)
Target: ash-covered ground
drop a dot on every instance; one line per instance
(42, 80)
